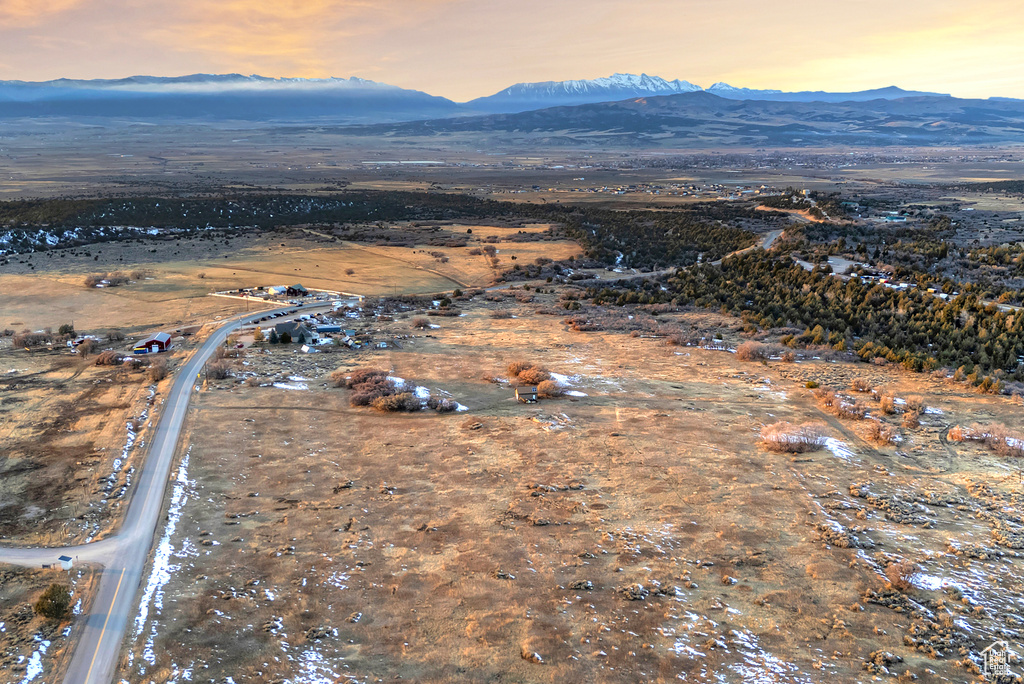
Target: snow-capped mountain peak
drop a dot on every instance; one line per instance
(524, 96)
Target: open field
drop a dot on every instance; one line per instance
(636, 532)
(29, 644)
(74, 432)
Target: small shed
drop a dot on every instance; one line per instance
(66, 562)
(526, 395)
(160, 342)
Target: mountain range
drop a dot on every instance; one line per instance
(623, 109)
(702, 120)
(341, 100)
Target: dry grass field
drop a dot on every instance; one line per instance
(28, 642)
(73, 432)
(633, 532)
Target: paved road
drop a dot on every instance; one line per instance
(124, 555)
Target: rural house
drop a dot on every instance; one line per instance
(296, 291)
(295, 329)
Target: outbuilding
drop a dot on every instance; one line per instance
(297, 291)
(160, 342)
(527, 395)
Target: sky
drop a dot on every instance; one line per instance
(463, 49)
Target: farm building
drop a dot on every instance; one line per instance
(527, 395)
(296, 291)
(160, 342)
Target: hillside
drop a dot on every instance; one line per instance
(701, 119)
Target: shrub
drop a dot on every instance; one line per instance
(911, 419)
(501, 314)
(887, 404)
(350, 271)
(404, 401)
(441, 405)
(109, 358)
(217, 370)
(549, 389)
(916, 404)
(86, 348)
(27, 338)
(795, 439)
(286, 338)
(115, 335)
(788, 357)
(533, 376)
(900, 574)
(362, 375)
(811, 384)
(55, 602)
(751, 351)
(996, 437)
(860, 385)
(157, 371)
(420, 323)
(880, 433)
(517, 367)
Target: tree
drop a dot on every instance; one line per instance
(55, 603)
(302, 338)
(259, 336)
(68, 330)
(273, 339)
(86, 348)
(286, 338)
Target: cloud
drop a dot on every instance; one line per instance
(31, 12)
(467, 48)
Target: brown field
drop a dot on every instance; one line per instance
(70, 428)
(25, 636)
(638, 533)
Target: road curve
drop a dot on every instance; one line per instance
(124, 555)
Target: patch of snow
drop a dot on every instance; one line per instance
(35, 661)
(460, 407)
(421, 393)
(291, 385)
(160, 575)
(840, 450)
(575, 393)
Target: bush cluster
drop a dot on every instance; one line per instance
(794, 439)
(527, 373)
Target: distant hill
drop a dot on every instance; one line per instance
(218, 97)
(702, 120)
(891, 93)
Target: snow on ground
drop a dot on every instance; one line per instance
(840, 450)
(459, 407)
(575, 393)
(421, 392)
(291, 385)
(153, 593)
(35, 661)
(564, 380)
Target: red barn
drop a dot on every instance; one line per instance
(160, 342)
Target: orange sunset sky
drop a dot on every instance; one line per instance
(462, 49)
